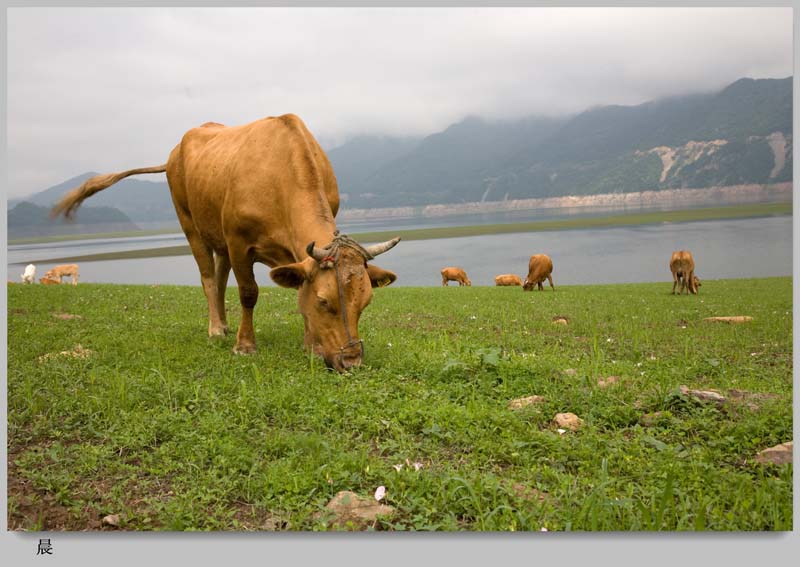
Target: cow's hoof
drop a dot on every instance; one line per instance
(244, 349)
(219, 332)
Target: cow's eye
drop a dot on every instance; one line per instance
(325, 304)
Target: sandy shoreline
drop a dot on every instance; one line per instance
(677, 198)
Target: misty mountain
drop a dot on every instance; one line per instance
(141, 200)
(355, 160)
(27, 220)
(739, 135)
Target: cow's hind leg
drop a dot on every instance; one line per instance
(550, 279)
(222, 265)
(242, 264)
(204, 257)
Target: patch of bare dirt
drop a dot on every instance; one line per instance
(77, 352)
(752, 400)
(731, 320)
(19, 311)
(66, 316)
(252, 518)
(32, 508)
(528, 492)
(524, 402)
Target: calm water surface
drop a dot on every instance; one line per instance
(738, 248)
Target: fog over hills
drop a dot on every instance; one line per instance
(740, 135)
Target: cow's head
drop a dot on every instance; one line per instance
(695, 283)
(528, 285)
(334, 286)
(467, 282)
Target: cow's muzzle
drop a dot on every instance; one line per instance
(349, 356)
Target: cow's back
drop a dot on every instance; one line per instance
(539, 267)
(252, 172)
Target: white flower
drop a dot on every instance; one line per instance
(380, 492)
(399, 467)
(389, 344)
(417, 466)
(472, 317)
(561, 431)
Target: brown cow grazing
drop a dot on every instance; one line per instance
(49, 281)
(63, 270)
(507, 279)
(455, 274)
(540, 266)
(681, 264)
(265, 192)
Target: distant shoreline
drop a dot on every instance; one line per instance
(672, 199)
(610, 221)
(575, 204)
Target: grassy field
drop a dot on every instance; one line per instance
(627, 219)
(147, 418)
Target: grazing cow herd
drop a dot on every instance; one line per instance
(53, 276)
(265, 192)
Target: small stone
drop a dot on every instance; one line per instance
(607, 381)
(777, 455)
(523, 402)
(111, 520)
(568, 421)
(351, 511)
(703, 395)
(570, 372)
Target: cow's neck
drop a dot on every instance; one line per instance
(312, 222)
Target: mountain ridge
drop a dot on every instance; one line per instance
(739, 135)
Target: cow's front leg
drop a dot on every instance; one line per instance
(248, 296)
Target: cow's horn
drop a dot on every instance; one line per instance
(317, 253)
(377, 249)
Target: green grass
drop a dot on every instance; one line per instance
(627, 219)
(173, 432)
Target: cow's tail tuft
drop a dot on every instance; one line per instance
(69, 204)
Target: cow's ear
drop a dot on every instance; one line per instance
(380, 277)
(291, 275)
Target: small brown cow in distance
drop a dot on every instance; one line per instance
(507, 279)
(455, 274)
(681, 264)
(540, 266)
(63, 270)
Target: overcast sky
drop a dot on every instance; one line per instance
(107, 89)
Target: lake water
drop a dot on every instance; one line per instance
(738, 248)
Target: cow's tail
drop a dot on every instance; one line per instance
(72, 200)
